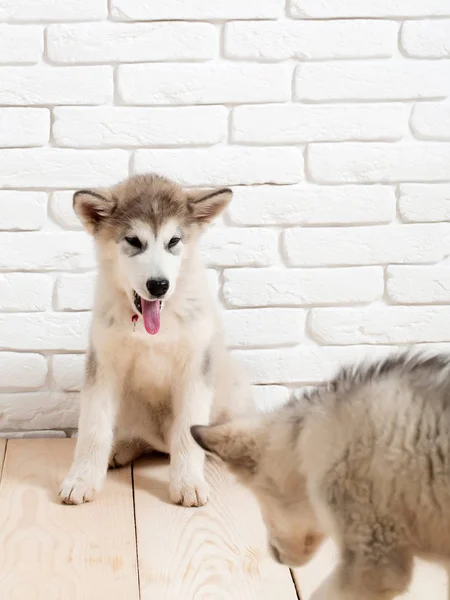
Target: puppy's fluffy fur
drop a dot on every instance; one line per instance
(147, 384)
(364, 459)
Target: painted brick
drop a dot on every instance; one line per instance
(269, 397)
(44, 331)
(264, 327)
(296, 123)
(47, 251)
(229, 93)
(324, 9)
(223, 165)
(372, 80)
(431, 121)
(302, 287)
(24, 127)
(121, 126)
(305, 40)
(367, 245)
(45, 84)
(434, 348)
(54, 167)
(425, 202)
(381, 325)
(230, 247)
(357, 162)
(429, 38)
(43, 433)
(22, 211)
(25, 292)
(312, 205)
(212, 83)
(213, 282)
(148, 10)
(61, 209)
(68, 372)
(304, 364)
(22, 371)
(418, 285)
(75, 291)
(130, 42)
(49, 10)
(24, 411)
(22, 44)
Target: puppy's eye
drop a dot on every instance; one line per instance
(134, 241)
(173, 242)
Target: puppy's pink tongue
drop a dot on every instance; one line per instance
(151, 311)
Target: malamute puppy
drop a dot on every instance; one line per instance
(157, 361)
(364, 459)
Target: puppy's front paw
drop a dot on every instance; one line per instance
(75, 490)
(193, 492)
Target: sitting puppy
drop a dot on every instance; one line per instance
(157, 361)
(364, 459)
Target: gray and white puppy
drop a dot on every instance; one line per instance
(157, 360)
(364, 459)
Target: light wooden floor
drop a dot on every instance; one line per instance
(133, 544)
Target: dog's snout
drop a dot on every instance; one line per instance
(157, 287)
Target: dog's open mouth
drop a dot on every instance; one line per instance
(150, 311)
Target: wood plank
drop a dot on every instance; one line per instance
(218, 551)
(429, 580)
(2, 455)
(49, 551)
(308, 577)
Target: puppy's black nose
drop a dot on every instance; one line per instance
(157, 287)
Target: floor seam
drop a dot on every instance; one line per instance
(297, 591)
(3, 460)
(135, 531)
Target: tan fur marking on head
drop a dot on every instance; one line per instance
(150, 198)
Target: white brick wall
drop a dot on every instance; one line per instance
(298, 124)
(426, 38)
(199, 10)
(112, 127)
(125, 42)
(209, 83)
(305, 39)
(22, 44)
(331, 120)
(24, 127)
(431, 121)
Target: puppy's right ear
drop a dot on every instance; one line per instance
(237, 443)
(93, 206)
(206, 205)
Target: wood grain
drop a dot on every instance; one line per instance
(54, 552)
(429, 580)
(217, 552)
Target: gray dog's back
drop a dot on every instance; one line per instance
(381, 434)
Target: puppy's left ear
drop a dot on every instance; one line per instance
(236, 443)
(206, 205)
(93, 207)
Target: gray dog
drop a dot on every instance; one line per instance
(364, 459)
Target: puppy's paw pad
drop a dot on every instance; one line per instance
(189, 493)
(76, 491)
